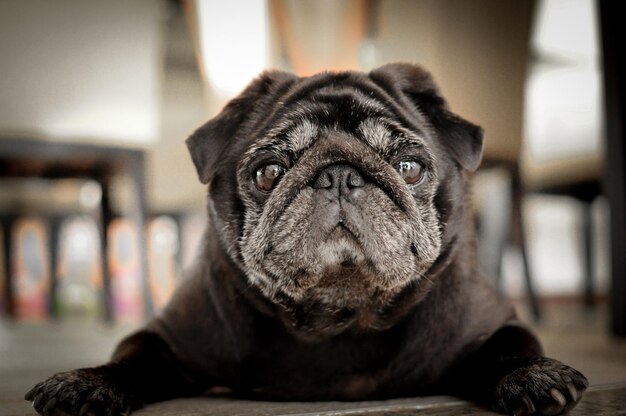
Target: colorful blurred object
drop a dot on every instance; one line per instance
(163, 246)
(31, 281)
(125, 281)
(78, 291)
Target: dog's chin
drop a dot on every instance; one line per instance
(342, 293)
(329, 310)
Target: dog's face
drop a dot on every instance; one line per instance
(335, 194)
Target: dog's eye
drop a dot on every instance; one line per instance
(411, 171)
(267, 176)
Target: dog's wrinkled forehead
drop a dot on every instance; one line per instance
(383, 136)
(299, 124)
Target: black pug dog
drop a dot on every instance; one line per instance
(339, 263)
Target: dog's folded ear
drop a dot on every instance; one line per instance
(207, 142)
(463, 139)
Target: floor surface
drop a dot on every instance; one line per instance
(32, 352)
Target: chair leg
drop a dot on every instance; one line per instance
(519, 234)
(54, 235)
(7, 237)
(105, 216)
(587, 246)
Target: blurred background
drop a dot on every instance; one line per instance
(101, 208)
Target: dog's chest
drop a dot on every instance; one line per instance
(346, 368)
(313, 372)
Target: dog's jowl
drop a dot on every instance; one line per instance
(339, 263)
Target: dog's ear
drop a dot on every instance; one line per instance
(463, 139)
(207, 142)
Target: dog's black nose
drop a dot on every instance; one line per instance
(340, 178)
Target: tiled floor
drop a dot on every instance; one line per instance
(29, 353)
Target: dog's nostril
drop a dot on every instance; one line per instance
(342, 177)
(355, 180)
(323, 180)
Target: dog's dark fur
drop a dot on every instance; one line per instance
(341, 283)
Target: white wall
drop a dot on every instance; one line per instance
(76, 69)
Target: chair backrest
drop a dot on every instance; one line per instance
(477, 52)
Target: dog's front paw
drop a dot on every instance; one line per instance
(542, 387)
(87, 391)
